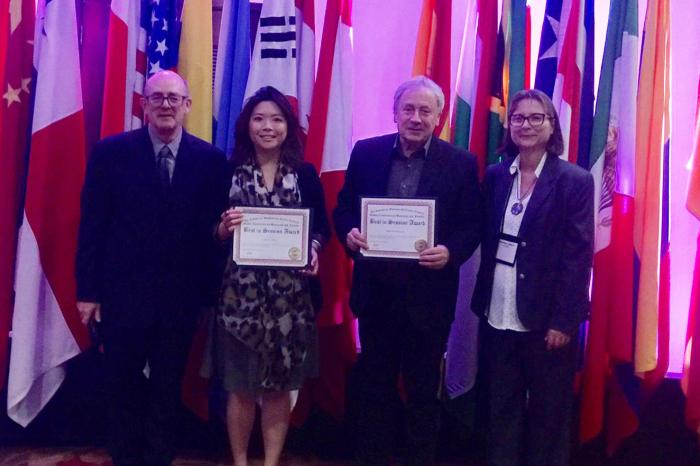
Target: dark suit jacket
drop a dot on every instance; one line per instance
(555, 257)
(449, 175)
(144, 253)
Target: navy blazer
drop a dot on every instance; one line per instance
(450, 176)
(144, 253)
(555, 256)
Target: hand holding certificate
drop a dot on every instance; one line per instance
(272, 237)
(397, 228)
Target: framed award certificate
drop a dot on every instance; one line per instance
(272, 237)
(397, 228)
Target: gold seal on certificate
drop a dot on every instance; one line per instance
(420, 245)
(272, 237)
(397, 228)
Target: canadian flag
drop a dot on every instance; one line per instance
(328, 148)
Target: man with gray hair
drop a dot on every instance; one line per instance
(405, 308)
(146, 264)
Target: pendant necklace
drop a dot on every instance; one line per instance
(517, 207)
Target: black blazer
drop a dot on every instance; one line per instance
(312, 197)
(555, 257)
(449, 175)
(144, 253)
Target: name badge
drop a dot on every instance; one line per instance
(507, 249)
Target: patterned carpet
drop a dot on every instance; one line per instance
(99, 457)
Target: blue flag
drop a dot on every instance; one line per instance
(233, 65)
(550, 42)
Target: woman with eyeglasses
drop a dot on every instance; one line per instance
(532, 286)
(264, 342)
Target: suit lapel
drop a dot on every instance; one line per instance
(383, 160)
(432, 169)
(145, 157)
(544, 186)
(502, 186)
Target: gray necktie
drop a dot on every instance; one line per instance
(163, 162)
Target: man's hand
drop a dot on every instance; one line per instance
(89, 311)
(556, 339)
(356, 240)
(434, 258)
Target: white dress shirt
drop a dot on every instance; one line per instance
(503, 310)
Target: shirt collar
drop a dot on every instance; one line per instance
(426, 146)
(158, 144)
(515, 166)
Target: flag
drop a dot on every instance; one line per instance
(467, 75)
(306, 59)
(195, 65)
(233, 65)
(568, 83)
(161, 22)
(551, 41)
(477, 59)
(328, 148)
(16, 61)
(125, 68)
(432, 57)
(46, 328)
(691, 362)
(510, 75)
(608, 359)
(478, 69)
(274, 61)
(651, 226)
(587, 87)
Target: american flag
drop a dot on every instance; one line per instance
(160, 20)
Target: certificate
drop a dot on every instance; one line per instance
(397, 228)
(272, 237)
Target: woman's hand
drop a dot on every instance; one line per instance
(230, 219)
(312, 269)
(556, 339)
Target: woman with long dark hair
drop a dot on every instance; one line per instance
(532, 286)
(264, 342)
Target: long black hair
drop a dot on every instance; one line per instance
(555, 145)
(291, 152)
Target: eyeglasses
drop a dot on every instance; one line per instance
(158, 99)
(535, 119)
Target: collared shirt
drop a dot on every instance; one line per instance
(503, 311)
(405, 172)
(174, 146)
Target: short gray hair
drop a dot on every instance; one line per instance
(420, 82)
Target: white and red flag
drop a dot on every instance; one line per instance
(284, 53)
(328, 147)
(46, 329)
(568, 84)
(125, 68)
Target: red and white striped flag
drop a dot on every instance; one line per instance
(567, 87)
(125, 69)
(46, 329)
(328, 148)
